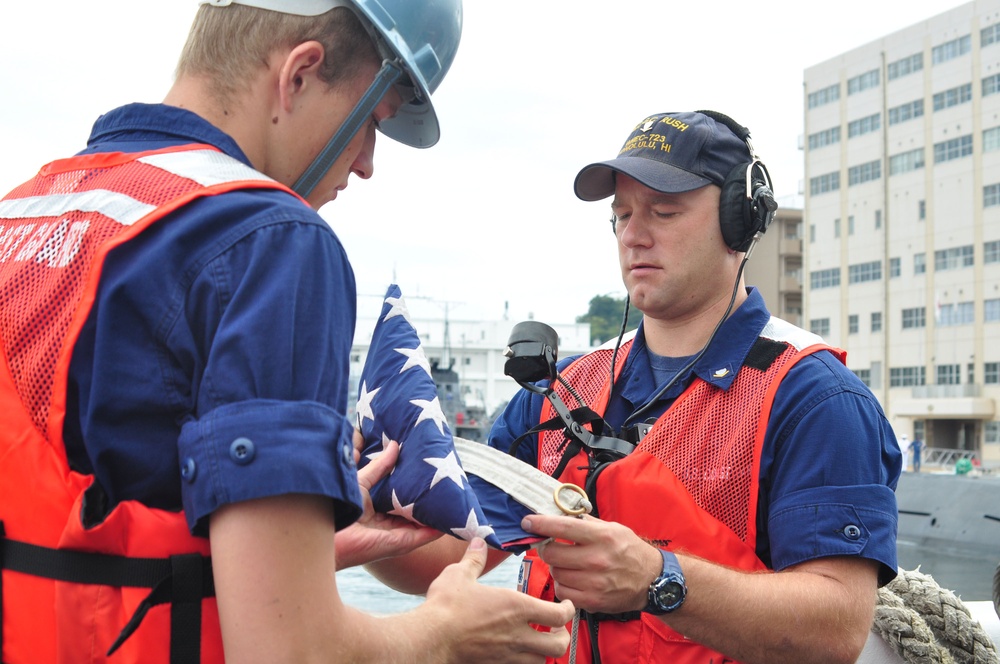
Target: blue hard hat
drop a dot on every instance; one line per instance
(421, 35)
(424, 35)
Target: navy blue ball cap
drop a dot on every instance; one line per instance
(670, 153)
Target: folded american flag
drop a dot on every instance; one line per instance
(398, 401)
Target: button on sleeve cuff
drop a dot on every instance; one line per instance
(835, 521)
(262, 448)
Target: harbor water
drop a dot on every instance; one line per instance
(361, 590)
(968, 577)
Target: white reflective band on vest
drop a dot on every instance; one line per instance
(206, 167)
(523, 482)
(781, 330)
(123, 209)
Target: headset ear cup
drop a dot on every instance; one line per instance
(734, 212)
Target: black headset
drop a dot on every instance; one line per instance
(747, 205)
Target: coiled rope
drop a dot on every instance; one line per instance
(996, 590)
(927, 624)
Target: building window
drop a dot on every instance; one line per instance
(992, 432)
(906, 376)
(907, 111)
(876, 321)
(825, 96)
(919, 263)
(950, 315)
(878, 219)
(991, 85)
(991, 195)
(948, 374)
(991, 252)
(990, 35)
(954, 258)
(971, 375)
(955, 148)
(991, 139)
(913, 318)
(907, 161)
(852, 324)
(823, 138)
(922, 210)
(991, 373)
(904, 66)
(812, 233)
(865, 375)
(951, 49)
(953, 97)
(863, 272)
(850, 224)
(822, 184)
(991, 310)
(824, 278)
(864, 125)
(862, 82)
(820, 326)
(864, 172)
(895, 267)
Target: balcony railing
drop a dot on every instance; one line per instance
(947, 391)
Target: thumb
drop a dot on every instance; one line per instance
(475, 556)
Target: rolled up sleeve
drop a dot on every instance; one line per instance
(826, 521)
(261, 448)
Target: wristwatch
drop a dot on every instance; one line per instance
(667, 591)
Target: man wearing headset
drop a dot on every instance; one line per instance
(745, 510)
(176, 328)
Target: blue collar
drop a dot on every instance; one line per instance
(718, 366)
(140, 127)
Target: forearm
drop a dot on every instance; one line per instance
(820, 611)
(277, 592)
(413, 573)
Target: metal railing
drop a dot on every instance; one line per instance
(944, 457)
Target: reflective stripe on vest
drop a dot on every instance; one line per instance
(73, 590)
(690, 486)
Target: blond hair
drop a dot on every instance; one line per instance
(230, 46)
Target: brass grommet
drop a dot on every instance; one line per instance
(568, 510)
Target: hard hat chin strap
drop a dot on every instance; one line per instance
(388, 75)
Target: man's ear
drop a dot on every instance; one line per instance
(299, 71)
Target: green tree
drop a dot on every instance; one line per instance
(605, 317)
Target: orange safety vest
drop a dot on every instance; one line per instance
(690, 485)
(77, 583)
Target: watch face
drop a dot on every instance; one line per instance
(670, 594)
(667, 591)
(667, 596)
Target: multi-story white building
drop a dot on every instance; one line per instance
(471, 348)
(902, 222)
(775, 267)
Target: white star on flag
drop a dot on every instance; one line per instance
(430, 410)
(472, 528)
(405, 511)
(415, 357)
(397, 308)
(447, 468)
(365, 397)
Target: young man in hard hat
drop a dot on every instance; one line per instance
(744, 480)
(176, 328)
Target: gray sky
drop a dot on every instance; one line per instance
(539, 89)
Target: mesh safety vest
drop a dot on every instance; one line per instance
(690, 485)
(77, 583)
